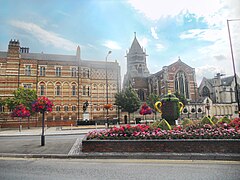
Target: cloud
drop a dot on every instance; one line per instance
(208, 71)
(154, 34)
(44, 36)
(112, 45)
(203, 34)
(155, 9)
(159, 47)
(143, 41)
(220, 57)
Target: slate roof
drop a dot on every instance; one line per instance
(50, 57)
(227, 81)
(135, 48)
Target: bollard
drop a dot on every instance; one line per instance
(71, 126)
(106, 125)
(96, 125)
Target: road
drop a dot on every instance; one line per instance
(11, 168)
(57, 144)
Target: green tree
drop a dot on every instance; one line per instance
(128, 100)
(151, 100)
(22, 96)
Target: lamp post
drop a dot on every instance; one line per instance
(234, 70)
(109, 52)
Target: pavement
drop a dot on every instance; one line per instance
(70, 146)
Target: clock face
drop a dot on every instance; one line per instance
(173, 68)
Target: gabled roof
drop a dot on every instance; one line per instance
(135, 48)
(227, 81)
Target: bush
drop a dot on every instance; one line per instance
(214, 119)
(206, 120)
(186, 122)
(224, 120)
(163, 124)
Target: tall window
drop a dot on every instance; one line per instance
(1, 108)
(74, 72)
(42, 71)
(58, 71)
(58, 90)
(205, 92)
(74, 90)
(84, 90)
(181, 84)
(141, 94)
(74, 108)
(58, 108)
(42, 89)
(66, 108)
(28, 70)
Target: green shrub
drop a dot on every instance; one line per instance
(206, 120)
(186, 122)
(214, 119)
(224, 120)
(163, 124)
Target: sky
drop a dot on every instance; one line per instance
(194, 31)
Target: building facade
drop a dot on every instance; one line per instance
(67, 80)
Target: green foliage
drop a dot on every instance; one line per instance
(214, 119)
(11, 103)
(187, 122)
(128, 100)
(224, 120)
(22, 96)
(206, 120)
(151, 100)
(163, 124)
(2, 102)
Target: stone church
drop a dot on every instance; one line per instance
(177, 77)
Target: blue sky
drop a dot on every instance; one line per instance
(195, 31)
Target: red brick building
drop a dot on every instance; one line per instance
(67, 80)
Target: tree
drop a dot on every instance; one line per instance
(128, 100)
(22, 96)
(151, 100)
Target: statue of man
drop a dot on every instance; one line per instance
(85, 106)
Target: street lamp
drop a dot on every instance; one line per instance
(234, 70)
(109, 52)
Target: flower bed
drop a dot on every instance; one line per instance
(146, 132)
(221, 138)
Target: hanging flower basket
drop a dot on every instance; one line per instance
(145, 109)
(107, 106)
(20, 111)
(42, 104)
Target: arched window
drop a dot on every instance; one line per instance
(141, 94)
(181, 84)
(74, 90)
(205, 92)
(58, 89)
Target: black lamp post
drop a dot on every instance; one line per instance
(234, 70)
(42, 136)
(109, 52)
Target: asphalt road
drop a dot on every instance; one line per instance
(60, 169)
(57, 144)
